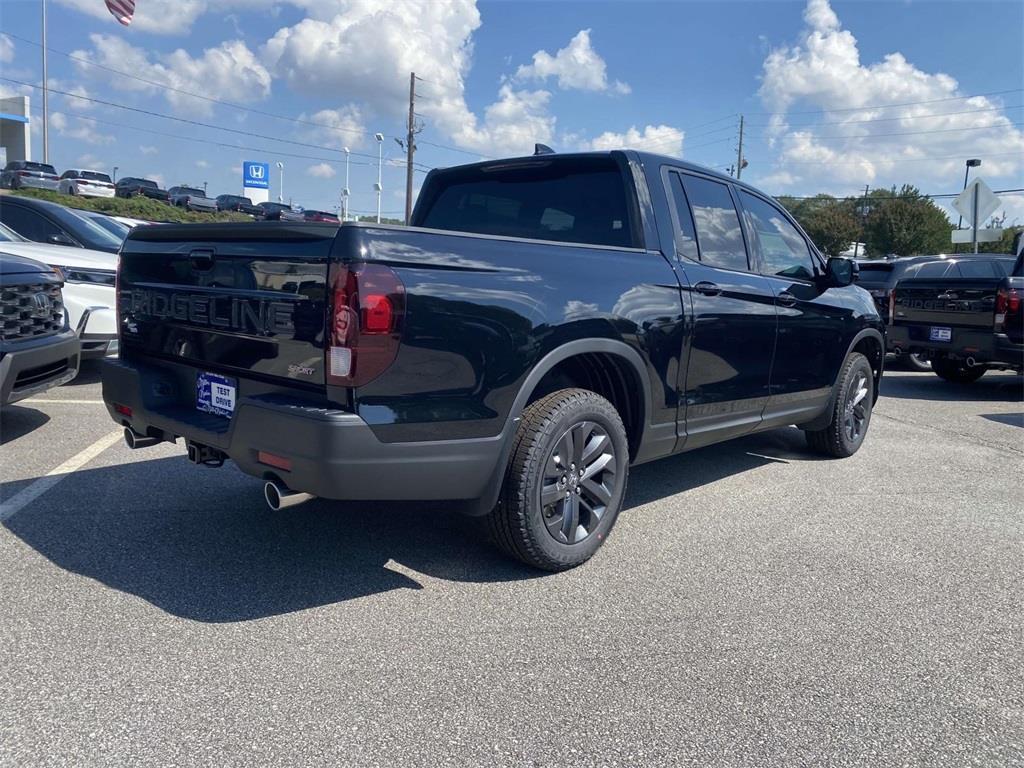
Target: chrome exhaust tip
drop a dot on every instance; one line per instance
(134, 440)
(279, 497)
(971, 362)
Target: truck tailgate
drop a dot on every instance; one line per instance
(956, 303)
(246, 299)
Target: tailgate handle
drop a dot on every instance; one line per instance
(201, 260)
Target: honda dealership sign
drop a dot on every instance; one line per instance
(256, 181)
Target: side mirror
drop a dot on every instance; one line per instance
(841, 272)
(62, 239)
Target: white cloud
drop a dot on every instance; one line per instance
(663, 139)
(89, 160)
(851, 143)
(366, 50)
(511, 125)
(577, 66)
(229, 72)
(6, 49)
(78, 128)
(164, 17)
(202, 164)
(342, 127)
(321, 171)
(148, 149)
(77, 101)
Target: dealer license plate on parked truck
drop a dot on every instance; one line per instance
(940, 334)
(215, 394)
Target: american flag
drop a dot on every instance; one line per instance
(122, 10)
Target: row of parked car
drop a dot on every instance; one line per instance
(26, 174)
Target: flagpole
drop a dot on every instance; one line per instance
(46, 92)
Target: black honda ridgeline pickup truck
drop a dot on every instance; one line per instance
(546, 323)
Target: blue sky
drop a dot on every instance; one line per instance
(668, 76)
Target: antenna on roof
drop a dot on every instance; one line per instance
(542, 149)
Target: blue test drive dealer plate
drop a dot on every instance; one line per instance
(216, 394)
(940, 334)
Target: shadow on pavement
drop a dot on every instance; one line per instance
(17, 421)
(201, 544)
(928, 386)
(1010, 419)
(88, 373)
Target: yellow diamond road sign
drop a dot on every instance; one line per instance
(986, 204)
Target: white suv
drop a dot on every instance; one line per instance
(79, 181)
(89, 294)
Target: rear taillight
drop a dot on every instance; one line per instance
(1008, 302)
(892, 305)
(365, 323)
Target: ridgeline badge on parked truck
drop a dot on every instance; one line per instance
(375, 362)
(234, 313)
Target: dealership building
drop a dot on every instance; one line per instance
(15, 138)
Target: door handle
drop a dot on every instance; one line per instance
(786, 299)
(707, 289)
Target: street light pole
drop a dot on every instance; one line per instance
(46, 93)
(280, 191)
(380, 168)
(346, 191)
(116, 169)
(972, 163)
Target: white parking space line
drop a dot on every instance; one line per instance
(52, 401)
(30, 493)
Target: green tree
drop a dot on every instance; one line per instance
(831, 223)
(904, 223)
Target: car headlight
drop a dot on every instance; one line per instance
(89, 276)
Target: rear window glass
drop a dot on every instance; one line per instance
(40, 167)
(94, 175)
(934, 269)
(978, 268)
(566, 201)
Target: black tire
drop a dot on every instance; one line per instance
(916, 362)
(851, 412)
(956, 371)
(521, 524)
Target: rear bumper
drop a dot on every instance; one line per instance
(86, 191)
(984, 345)
(334, 454)
(33, 366)
(30, 182)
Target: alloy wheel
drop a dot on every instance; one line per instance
(856, 411)
(580, 479)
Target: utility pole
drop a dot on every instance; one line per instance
(740, 162)
(410, 148)
(346, 191)
(863, 218)
(46, 100)
(379, 186)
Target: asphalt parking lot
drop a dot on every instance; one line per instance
(755, 606)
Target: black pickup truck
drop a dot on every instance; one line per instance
(546, 322)
(966, 318)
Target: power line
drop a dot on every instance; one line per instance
(194, 139)
(190, 94)
(867, 107)
(185, 120)
(919, 133)
(891, 119)
(901, 159)
(878, 195)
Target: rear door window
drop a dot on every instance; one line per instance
(719, 236)
(783, 250)
(686, 234)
